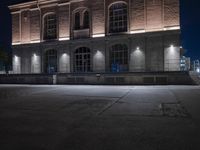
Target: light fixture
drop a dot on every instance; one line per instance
(198, 70)
(63, 38)
(64, 54)
(137, 31)
(98, 35)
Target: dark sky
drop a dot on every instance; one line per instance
(190, 25)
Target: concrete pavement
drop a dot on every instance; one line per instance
(83, 117)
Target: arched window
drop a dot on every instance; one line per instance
(77, 21)
(119, 58)
(51, 61)
(86, 20)
(118, 13)
(82, 60)
(50, 27)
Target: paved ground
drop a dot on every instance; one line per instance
(99, 117)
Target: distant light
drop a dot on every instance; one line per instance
(172, 46)
(138, 48)
(181, 47)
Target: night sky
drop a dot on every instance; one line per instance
(190, 25)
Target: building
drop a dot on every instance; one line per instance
(196, 66)
(185, 64)
(79, 36)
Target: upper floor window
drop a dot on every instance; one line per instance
(81, 19)
(86, 20)
(50, 27)
(77, 21)
(118, 15)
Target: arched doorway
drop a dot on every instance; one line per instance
(82, 60)
(51, 61)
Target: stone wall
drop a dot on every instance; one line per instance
(146, 52)
(148, 78)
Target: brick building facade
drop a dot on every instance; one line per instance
(67, 36)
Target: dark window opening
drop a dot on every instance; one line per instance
(86, 20)
(119, 58)
(51, 61)
(77, 21)
(118, 18)
(82, 60)
(50, 27)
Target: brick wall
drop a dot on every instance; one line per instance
(35, 25)
(171, 13)
(16, 28)
(98, 19)
(25, 26)
(64, 19)
(143, 15)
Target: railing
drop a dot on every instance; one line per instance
(173, 65)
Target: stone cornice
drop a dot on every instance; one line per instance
(36, 3)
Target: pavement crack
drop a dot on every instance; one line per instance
(113, 103)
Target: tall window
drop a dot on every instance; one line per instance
(119, 58)
(50, 27)
(118, 13)
(51, 61)
(82, 60)
(77, 21)
(86, 20)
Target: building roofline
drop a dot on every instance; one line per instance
(32, 3)
(22, 5)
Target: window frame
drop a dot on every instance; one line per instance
(87, 26)
(47, 55)
(81, 11)
(120, 51)
(108, 18)
(44, 33)
(80, 55)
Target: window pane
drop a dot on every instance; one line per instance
(50, 27)
(119, 58)
(82, 60)
(77, 21)
(86, 20)
(118, 18)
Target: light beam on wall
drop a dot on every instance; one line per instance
(64, 39)
(98, 35)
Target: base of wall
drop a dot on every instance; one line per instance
(139, 78)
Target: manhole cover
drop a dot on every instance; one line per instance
(173, 110)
